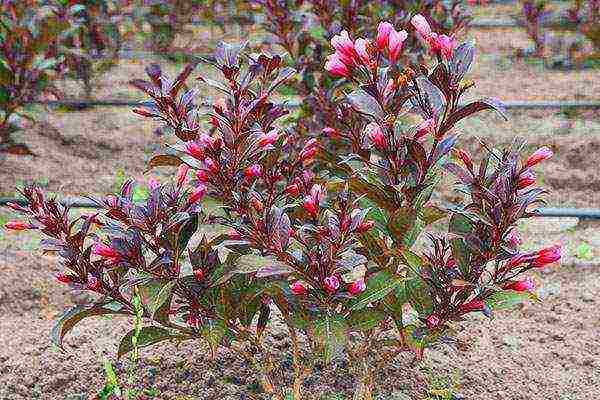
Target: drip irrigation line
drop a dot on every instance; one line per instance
(522, 105)
(556, 212)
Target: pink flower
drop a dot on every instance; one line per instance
(199, 274)
(211, 165)
(389, 88)
(194, 149)
(357, 287)
(331, 283)
(62, 277)
(310, 149)
(432, 321)
(336, 67)
(424, 128)
(17, 225)
(465, 157)
(253, 171)
(111, 201)
(383, 33)
(94, 283)
(365, 226)
(182, 173)
(292, 190)
(513, 238)
(445, 45)
(421, 25)
(526, 179)
(344, 47)
(202, 176)
(331, 132)
(360, 47)
(105, 251)
(267, 139)
(298, 288)
(311, 206)
(197, 194)
(153, 183)
(396, 40)
(526, 285)
(473, 305)
(234, 234)
(376, 136)
(547, 256)
(541, 154)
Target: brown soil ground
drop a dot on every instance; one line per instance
(541, 351)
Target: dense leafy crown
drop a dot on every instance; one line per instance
(348, 246)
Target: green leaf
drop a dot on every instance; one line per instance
(402, 225)
(186, 232)
(432, 214)
(4, 95)
(162, 300)
(72, 316)
(378, 285)
(364, 320)
(418, 295)
(364, 103)
(330, 331)
(148, 336)
(508, 299)
(213, 332)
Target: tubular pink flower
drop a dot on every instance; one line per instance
(199, 274)
(547, 256)
(197, 194)
(153, 183)
(361, 50)
(62, 277)
(202, 176)
(310, 149)
(94, 283)
(267, 139)
(383, 33)
(473, 305)
(344, 46)
(331, 283)
(526, 285)
(336, 67)
(105, 251)
(424, 128)
(421, 25)
(298, 288)
(396, 40)
(182, 173)
(541, 154)
(253, 171)
(445, 45)
(432, 321)
(193, 149)
(513, 238)
(357, 287)
(376, 136)
(365, 226)
(17, 225)
(526, 179)
(311, 206)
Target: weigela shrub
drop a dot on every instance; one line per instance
(358, 261)
(303, 28)
(27, 60)
(95, 37)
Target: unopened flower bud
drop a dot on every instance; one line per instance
(541, 154)
(253, 171)
(473, 305)
(547, 256)
(526, 285)
(17, 225)
(199, 274)
(331, 283)
(298, 288)
(194, 150)
(526, 179)
(356, 287)
(383, 33)
(197, 194)
(201, 176)
(267, 139)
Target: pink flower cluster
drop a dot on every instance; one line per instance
(439, 44)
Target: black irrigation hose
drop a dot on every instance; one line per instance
(581, 213)
(523, 105)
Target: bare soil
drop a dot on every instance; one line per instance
(541, 351)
